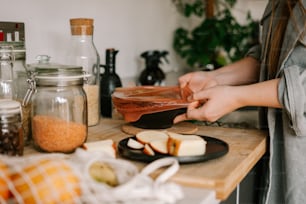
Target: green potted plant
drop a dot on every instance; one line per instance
(218, 39)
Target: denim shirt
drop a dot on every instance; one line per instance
(286, 175)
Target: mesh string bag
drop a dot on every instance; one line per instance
(61, 178)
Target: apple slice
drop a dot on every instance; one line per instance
(148, 150)
(106, 146)
(134, 144)
(147, 136)
(159, 146)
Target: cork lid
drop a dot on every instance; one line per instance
(81, 26)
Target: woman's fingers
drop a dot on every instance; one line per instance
(185, 79)
(210, 104)
(180, 118)
(185, 116)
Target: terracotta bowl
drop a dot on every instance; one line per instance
(149, 107)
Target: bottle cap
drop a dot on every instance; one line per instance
(81, 26)
(8, 106)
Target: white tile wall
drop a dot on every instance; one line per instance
(131, 26)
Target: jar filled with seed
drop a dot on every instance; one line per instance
(59, 106)
(11, 134)
(82, 52)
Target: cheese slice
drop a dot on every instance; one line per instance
(106, 146)
(185, 145)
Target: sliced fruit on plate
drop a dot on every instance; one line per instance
(106, 146)
(147, 136)
(148, 150)
(185, 145)
(134, 144)
(160, 146)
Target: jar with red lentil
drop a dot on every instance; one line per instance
(59, 106)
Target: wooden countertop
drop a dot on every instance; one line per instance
(246, 147)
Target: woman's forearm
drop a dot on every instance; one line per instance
(259, 94)
(245, 71)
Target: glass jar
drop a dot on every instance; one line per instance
(83, 53)
(7, 88)
(11, 134)
(59, 107)
(22, 87)
(21, 75)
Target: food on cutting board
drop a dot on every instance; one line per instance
(4, 177)
(104, 173)
(165, 142)
(106, 146)
(182, 145)
(46, 181)
(134, 144)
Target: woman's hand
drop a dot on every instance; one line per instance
(211, 104)
(197, 81)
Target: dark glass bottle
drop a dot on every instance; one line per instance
(153, 74)
(109, 80)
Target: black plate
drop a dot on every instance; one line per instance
(214, 148)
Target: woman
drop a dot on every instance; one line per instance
(271, 76)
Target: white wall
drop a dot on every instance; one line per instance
(255, 6)
(131, 26)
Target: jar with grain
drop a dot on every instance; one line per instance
(82, 52)
(59, 107)
(11, 134)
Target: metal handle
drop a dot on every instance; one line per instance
(32, 87)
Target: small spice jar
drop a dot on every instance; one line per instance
(11, 134)
(59, 107)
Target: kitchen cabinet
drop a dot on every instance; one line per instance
(248, 189)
